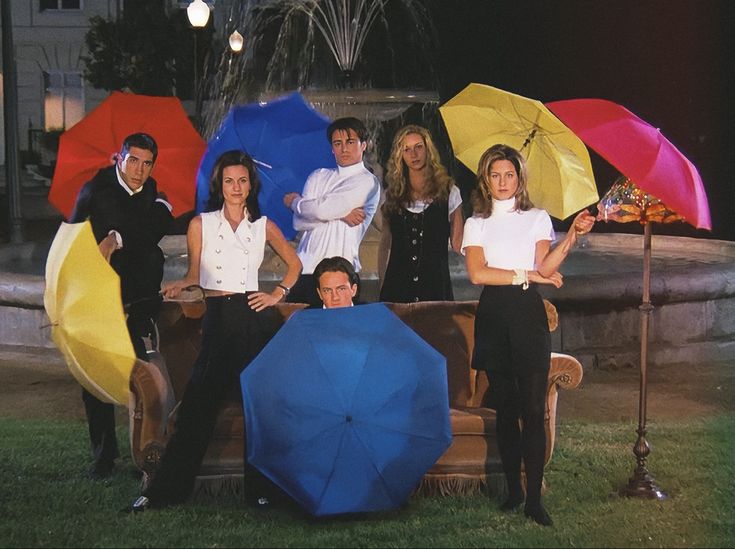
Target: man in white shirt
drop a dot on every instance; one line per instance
(335, 208)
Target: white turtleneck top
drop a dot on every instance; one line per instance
(508, 237)
(328, 196)
(230, 259)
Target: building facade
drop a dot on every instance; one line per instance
(48, 37)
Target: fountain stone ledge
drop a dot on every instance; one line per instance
(692, 291)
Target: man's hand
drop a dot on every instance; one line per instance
(289, 198)
(107, 246)
(355, 217)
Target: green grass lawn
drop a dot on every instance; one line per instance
(47, 501)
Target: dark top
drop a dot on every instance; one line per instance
(418, 267)
(141, 222)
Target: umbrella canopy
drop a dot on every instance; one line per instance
(640, 152)
(560, 173)
(288, 140)
(88, 146)
(346, 409)
(82, 300)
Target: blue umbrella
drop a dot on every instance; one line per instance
(288, 140)
(346, 409)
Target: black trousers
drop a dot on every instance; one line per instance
(101, 415)
(513, 346)
(232, 336)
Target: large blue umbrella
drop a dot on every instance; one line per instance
(346, 409)
(288, 140)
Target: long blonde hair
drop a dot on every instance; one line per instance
(482, 198)
(398, 192)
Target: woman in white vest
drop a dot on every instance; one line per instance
(507, 247)
(226, 245)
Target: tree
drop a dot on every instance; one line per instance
(146, 50)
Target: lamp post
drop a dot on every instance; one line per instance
(198, 14)
(10, 110)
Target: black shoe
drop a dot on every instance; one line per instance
(100, 469)
(538, 514)
(512, 503)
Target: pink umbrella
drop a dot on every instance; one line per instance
(661, 185)
(640, 152)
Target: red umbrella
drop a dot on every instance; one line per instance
(661, 185)
(640, 152)
(89, 145)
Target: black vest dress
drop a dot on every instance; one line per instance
(418, 268)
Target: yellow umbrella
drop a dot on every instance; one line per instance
(560, 173)
(83, 301)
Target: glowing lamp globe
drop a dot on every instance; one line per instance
(236, 42)
(198, 13)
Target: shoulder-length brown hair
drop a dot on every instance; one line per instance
(216, 197)
(482, 198)
(398, 191)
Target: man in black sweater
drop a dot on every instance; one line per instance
(129, 217)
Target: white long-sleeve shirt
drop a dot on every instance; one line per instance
(328, 196)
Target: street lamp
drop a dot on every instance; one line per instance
(198, 14)
(236, 42)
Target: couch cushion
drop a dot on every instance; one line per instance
(448, 326)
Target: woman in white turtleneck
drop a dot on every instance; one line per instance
(507, 248)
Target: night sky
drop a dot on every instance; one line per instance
(668, 61)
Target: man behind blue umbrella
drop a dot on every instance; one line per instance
(337, 282)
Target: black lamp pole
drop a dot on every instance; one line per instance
(10, 112)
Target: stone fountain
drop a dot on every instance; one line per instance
(326, 49)
(291, 44)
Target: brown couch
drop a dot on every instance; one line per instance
(471, 463)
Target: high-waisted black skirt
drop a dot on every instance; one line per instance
(511, 331)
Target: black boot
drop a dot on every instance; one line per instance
(538, 514)
(512, 503)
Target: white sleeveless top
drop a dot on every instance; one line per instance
(230, 259)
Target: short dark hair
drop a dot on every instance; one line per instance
(225, 160)
(141, 141)
(336, 264)
(346, 124)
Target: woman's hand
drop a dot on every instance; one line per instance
(171, 290)
(261, 300)
(583, 222)
(556, 279)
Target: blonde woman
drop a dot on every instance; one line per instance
(422, 217)
(507, 247)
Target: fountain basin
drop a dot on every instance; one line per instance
(692, 291)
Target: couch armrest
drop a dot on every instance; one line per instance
(151, 401)
(565, 372)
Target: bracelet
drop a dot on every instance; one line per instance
(284, 288)
(520, 278)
